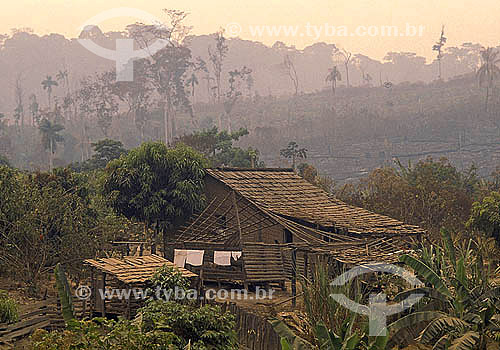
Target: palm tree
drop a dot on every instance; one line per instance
(63, 77)
(50, 138)
(192, 81)
(332, 77)
(346, 56)
(47, 84)
(488, 71)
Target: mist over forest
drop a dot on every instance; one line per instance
(371, 113)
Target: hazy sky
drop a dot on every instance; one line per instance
(465, 20)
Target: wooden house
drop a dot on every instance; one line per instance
(278, 220)
(128, 274)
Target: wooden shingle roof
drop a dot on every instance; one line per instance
(284, 193)
(132, 270)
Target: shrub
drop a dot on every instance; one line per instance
(8, 308)
(205, 327)
(167, 278)
(102, 334)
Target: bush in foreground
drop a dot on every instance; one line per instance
(8, 308)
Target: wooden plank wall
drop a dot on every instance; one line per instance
(254, 331)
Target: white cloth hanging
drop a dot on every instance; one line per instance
(236, 255)
(222, 258)
(180, 257)
(195, 257)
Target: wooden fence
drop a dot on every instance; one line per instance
(43, 315)
(254, 331)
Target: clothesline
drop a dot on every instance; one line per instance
(195, 257)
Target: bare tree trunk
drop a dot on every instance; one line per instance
(51, 155)
(228, 123)
(347, 74)
(487, 98)
(219, 121)
(166, 124)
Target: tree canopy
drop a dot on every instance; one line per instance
(153, 183)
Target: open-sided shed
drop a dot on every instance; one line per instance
(123, 280)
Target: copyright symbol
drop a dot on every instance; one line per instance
(233, 29)
(83, 292)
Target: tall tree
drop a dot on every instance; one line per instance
(138, 95)
(236, 78)
(97, 100)
(156, 185)
(292, 73)
(292, 151)
(346, 57)
(488, 72)
(19, 96)
(50, 138)
(34, 108)
(63, 78)
(168, 66)
(48, 84)
(438, 47)
(216, 58)
(332, 77)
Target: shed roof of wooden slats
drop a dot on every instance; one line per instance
(283, 192)
(133, 270)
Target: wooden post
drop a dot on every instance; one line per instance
(94, 295)
(294, 276)
(104, 295)
(305, 264)
(237, 216)
(129, 312)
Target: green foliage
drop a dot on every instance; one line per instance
(161, 326)
(50, 134)
(485, 215)
(102, 334)
(462, 311)
(289, 340)
(332, 327)
(292, 151)
(45, 219)
(64, 291)
(153, 183)
(4, 161)
(9, 312)
(168, 278)
(104, 151)
(205, 327)
(218, 148)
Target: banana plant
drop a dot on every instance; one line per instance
(289, 340)
(325, 339)
(465, 307)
